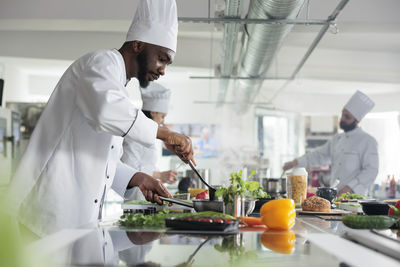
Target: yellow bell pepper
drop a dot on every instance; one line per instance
(279, 214)
(278, 241)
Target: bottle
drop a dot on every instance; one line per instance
(392, 188)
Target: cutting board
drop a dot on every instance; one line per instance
(332, 212)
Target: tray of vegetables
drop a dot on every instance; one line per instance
(204, 222)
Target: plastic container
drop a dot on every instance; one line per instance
(297, 185)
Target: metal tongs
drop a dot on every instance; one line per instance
(210, 188)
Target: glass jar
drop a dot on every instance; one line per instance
(297, 185)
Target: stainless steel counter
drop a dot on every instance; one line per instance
(317, 242)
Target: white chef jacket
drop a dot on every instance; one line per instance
(74, 152)
(141, 158)
(353, 157)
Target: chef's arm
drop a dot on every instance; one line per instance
(127, 177)
(369, 169)
(103, 101)
(318, 157)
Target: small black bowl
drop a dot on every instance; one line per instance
(374, 207)
(329, 193)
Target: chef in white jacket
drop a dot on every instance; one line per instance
(74, 152)
(144, 159)
(353, 155)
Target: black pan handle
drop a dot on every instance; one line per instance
(176, 201)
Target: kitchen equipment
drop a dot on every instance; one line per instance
(282, 189)
(273, 185)
(211, 190)
(249, 206)
(374, 207)
(199, 204)
(327, 193)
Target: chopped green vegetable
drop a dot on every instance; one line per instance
(158, 220)
(348, 196)
(244, 188)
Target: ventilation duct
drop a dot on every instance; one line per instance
(261, 45)
(232, 10)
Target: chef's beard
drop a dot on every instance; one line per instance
(348, 127)
(143, 69)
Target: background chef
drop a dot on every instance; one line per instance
(74, 152)
(353, 155)
(144, 159)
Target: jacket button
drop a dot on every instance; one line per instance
(112, 147)
(108, 176)
(95, 201)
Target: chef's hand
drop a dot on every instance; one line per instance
(177, 143)
(150, 187)
(166, 177)
(289, 165)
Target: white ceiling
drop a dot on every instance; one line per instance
(366, 49)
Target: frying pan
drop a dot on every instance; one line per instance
(198, 204)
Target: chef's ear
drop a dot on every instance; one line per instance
(138, 46)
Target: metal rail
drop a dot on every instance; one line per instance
(314, 44)
(256, 21)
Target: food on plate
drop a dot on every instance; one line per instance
(278, 241)
(315, 203)
(345, 197)
(279, 214)
(368, 222)
(204, 221)
(158, 220)
(202, 195)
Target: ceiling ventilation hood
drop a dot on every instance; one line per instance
(261, 44)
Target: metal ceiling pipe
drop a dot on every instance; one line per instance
(231, 30)
(261, 46)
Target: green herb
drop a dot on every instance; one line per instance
(348, 196)
(241, 187)
(158, 220)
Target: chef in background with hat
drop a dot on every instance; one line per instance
(74, 152)
(353, 155)
(144, 159)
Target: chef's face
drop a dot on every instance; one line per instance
(152, 61)
(347, 121)
(158, 117)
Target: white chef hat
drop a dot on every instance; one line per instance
(155, 22)
(359, 105)
(155, 98)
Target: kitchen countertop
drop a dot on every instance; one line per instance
(318, 242)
